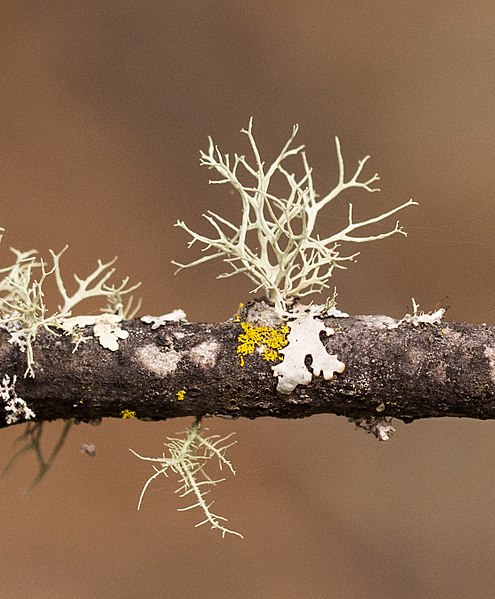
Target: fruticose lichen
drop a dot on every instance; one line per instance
(188, 458)
(23, 310)
(277, 244)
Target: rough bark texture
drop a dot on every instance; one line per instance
(406, 372)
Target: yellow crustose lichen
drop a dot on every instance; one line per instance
(267, 339)
(127, 414)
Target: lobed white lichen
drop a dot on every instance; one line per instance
(105, 328)
(304, 340)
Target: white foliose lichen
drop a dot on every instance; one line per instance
(15, 407)
(304, 340)
(105, 328)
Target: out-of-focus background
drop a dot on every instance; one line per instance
(103, 109)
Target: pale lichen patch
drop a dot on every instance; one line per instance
(161, 363)
(490, 354)
(378, 321)
(158, 321)
(105, 328)
(205, 354)
(261, 313)
(451, 335)
(415, 358)
(304, 340)
(439, 372)
(419, 317)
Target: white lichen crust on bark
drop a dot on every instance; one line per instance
(305, 342)
(490, 354)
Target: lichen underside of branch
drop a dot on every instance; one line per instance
(405, 372)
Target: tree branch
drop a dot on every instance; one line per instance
(406, 372)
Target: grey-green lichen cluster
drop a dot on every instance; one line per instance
(24, 310)
(280, 243)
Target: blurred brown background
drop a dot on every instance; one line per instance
(104, 107)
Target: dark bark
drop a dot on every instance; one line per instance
(406, 372)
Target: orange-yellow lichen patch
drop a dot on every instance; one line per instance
(127, 414)
(268, 340)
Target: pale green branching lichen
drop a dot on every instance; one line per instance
(188, 457)
(277, 244)
(23, 311)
